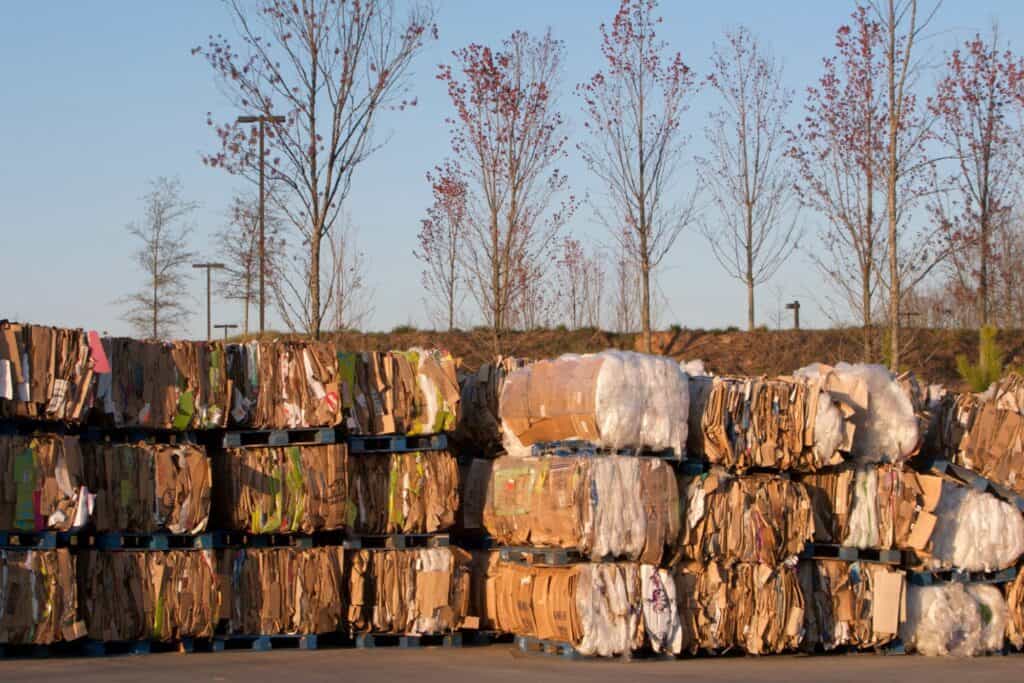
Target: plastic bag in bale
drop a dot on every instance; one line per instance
(975, 531)
(954, 619)
(42, 483)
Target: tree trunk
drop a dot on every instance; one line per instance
(314, 283)
(645, 297)
(750, 304)
(983, 307)
(895, 111)
(865, 293)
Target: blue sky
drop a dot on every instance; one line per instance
(100, 97)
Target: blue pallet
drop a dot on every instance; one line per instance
(119, 540)
(375, 640)
(958, 576)
(265, 643)
(396, 541)
(974, 480)
(397, 443)
(575, 447)
(98, 648)
(279, 437)
(555, 648)
(43, 540)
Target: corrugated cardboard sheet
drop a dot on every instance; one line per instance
(164, 385)
(282, 590)
(153, 595)
(147, 487)
(851, 604)
(46, 373)
(607, 507)
(759, 422)
(421, 591)
(754, 518)
(42, 483)
(38, 597)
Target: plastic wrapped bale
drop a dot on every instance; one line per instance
(755, 518)
(42, 483)
(954, 619)
(424, 591)
(607, 601)
(272, 591)
(874, 506)
(886, 425)
(975, 531)
(146, 487)
(144, 595)
(611, 507)
(290, 489)
(663, 628)
(781, 423)
(51, 372)
(407, 493)
(616, 399)
(38, 597)
(1015, 611)
(850, 604)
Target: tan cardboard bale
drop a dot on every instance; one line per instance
(38, 597)
(414, 492)
(148, 487)
(854, 605)
(49, 370)
(271, 591)
(994, 446)
(42, 483)
(149, 595)
(1015, 611)
(478, 431)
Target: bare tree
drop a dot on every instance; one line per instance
(238, 244)
(580, 278)
(747, 172)
(507, 137)
(634, 113)
(160, 307)
(441, 238)
(330, 67)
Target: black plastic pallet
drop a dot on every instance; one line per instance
(828, 551)
(120, 540)
(137, 434)
(265, 643)
(479, 638)
(278, 437)
(44, 540)
(242, 539)
(959, 576)
(549, 556)
(374, 640)
(586, 448)
(972, 479)
(397, 443)
(397, 541)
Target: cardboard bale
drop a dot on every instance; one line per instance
(408, 493)
(416, 592)
(952, 416)
(38, 597)
(164, 385)
(478, 431)
(284, 489)
(615, 399)
(609, 507)
(46, 373)
(786, 423)
(1015, 611)
(994, 446)
(874, 506)
(851, 604)
(276, 591)
(484, 569)
(148, 487)
(763, 518)
(284, 384)
(149, 595)
(42, 483)
(706, 615)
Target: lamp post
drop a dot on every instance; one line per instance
(226, 327)
(208, 267)
(262, 119)
(795, 307)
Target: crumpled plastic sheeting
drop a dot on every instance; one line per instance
(828, 429)
(607, 598)
(975, 531)
(951, 619)
(638, 401)
(662, 625)
(887, 428)
(863, 531)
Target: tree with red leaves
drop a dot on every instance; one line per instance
(634, 109)
(507, 137)
(747, 171)
(441, 238)
(330, 67)
(980, 128)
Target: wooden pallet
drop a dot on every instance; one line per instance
(278, 437)
(397, 443)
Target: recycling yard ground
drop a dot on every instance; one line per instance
(502, 663)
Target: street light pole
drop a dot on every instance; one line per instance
(208, 267)
(262, 120)
(226, 327)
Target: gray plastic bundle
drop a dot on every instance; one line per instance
(975, 531)
(954, 619)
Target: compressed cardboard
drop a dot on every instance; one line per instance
(147, 487)
(42, 483)
(151, 595)
(46, 373)
(413, 492)
(857, 605)
(38, 597)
